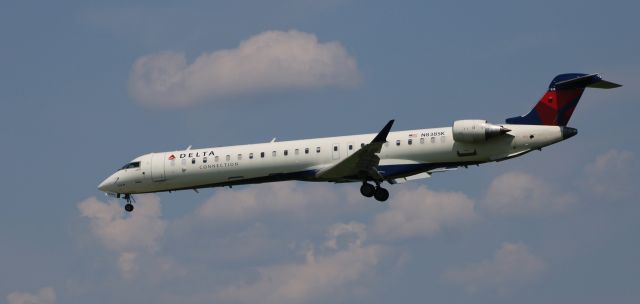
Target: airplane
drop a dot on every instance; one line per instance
(370, 159)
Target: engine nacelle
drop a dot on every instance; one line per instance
(476, 131)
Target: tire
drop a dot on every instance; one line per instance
(381, 194)
(128, 207)
(367, 190)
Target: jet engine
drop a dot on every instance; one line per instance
(476, 131)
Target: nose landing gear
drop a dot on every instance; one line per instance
(129, 200)
(369, 190)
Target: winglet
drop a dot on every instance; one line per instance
(382, 136)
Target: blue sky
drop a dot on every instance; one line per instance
(88, 86)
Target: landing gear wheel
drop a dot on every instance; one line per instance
(381, 194)
(128, 198)
(367, 189)
(128, 207)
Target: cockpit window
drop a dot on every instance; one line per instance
(131, 165)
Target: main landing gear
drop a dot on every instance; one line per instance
(129, 200)
(369, 190)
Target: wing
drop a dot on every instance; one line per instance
(361, 164)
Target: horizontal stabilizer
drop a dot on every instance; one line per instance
(603, 84)
(580, 81)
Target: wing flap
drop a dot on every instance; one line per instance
(410, 178)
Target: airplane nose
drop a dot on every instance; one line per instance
(105, 185)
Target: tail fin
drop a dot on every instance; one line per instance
(557, 104)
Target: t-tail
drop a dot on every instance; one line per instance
(557, 104)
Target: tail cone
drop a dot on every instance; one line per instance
(568, 132)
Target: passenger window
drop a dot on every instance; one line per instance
(286, 152)
(335, 148)
(273, 153)
(306, 150)
(398, 142)
(317, 149)
(350, 147)
(216, 158)
(193, 161)
(239, 156)
(433, 140)
(422, 140)
(204, 159)
(261, 154)
(228, 157)
(410, 141)
(296, 151)
(250, 155)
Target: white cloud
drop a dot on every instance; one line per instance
(251, 218)
(511, 266)
(44, 296)
(516, 193)
(284, 198)
(611, 175)
(351, 234)
(128, 265)
(317, 276)
(129, 236)
(422, 212)
(272, 60)
(141, 229)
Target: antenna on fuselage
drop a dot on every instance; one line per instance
(273, 140)
(189, 147)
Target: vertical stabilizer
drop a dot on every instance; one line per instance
(557, 105)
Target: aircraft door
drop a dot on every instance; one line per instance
(157, 167)
(336, 151)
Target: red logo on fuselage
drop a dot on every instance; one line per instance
(172, 157)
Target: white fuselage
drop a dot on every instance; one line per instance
(406, 154)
